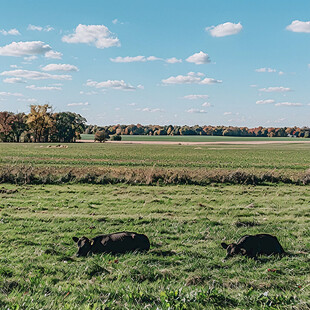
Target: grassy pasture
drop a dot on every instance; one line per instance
(192, 138)
(289, 160)
(183, 270)
(185, 223)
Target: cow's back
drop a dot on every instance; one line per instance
(122, 242)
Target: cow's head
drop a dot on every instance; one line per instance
(84, 245)
(232, 249)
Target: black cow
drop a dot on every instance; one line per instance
(116, 243)
(253, 245)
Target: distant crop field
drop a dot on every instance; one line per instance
(192, 138)
(184, 268)
(152, 163)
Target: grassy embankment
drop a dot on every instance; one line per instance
(183, 270)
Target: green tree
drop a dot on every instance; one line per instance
(68, 126)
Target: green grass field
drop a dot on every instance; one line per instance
(185, 224)
(184, 268)
(192, 138)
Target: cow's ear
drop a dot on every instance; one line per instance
(224, 245)
(75, 239)
(243, 251)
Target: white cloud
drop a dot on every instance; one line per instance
(30, 58)
(115, 21)
(33, 87)
(288, 104)
(18, 49)
(99, 35)
(228, 113)
(35, 75)
(153, 58)
(267, 101)
(53, 55)
(265, 70)
(279, 89)
(299, 26)
(194, 97)
(253, 85)
(199, 58)
(60, 67)
(115, 84)
(129, 59)
(40, 28)
(76, 104)
(281, 72)
(224, 30)
(12, 32)
(13, 80)
(152, 110)
(190, 78)
(4, 93)
(173, 60)
(196, 111)
(141, 58)
(206, 104)
(14, 66)
(30, 100)
(133, 104)
(88, 93)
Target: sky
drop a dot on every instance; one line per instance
(227, 62)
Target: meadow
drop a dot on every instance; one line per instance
(192, 138)
(184, 221)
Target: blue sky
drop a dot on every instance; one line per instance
(243, 63)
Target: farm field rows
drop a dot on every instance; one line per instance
(184, 268)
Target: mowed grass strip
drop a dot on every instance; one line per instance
(184, 268)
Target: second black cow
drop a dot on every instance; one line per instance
(253, 245)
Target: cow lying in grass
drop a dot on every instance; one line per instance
(120, 242)
(253, 245)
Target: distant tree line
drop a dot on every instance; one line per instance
(171, 130)
(41, 125)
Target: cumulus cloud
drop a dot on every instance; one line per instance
(224, 30)
(299, 26)
(40, 28)
(88, 92)
(98, 35)
(267, 101)
(173, 60)
(265, 70)
(4, 93)
(18, 49)
(53, 55)
(190, 78)
(288, 104)
(228, 113)
(199, 58)
(206, 104)
(196, 111)
(33, 87)
(12, 32)
(279, 89)
(77, 104)
(115, 84)
(194, 97)
(35, 75)
(60, 67)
